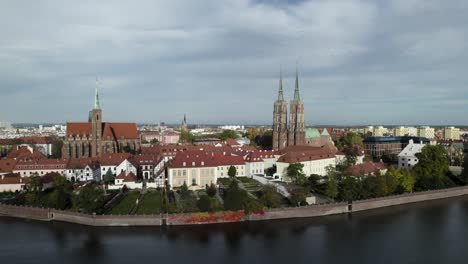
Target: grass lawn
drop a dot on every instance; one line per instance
(250, 184)
(225, 181)
(188, 204)
(151, 204)
(125, 205)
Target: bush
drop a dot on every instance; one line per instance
(206, 204)
(211, 190)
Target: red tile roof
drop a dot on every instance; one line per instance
(49, 177)
(41, 164)
(109, 130)
(24, 153)
(113, 159)
(365, 168)
(195, 159)
(295, 154)
(13, 178)
(127, 178)
(81, 163)
(7, 165)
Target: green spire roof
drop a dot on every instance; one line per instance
(296, 88)
(96, 98)
(280, 92)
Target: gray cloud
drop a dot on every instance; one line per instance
(360, 61)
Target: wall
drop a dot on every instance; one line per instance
(226, 216)
(300, 212)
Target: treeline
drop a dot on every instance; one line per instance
(430, 173)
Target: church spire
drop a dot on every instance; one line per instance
(296, 87)
(280, 91)
(96, 97)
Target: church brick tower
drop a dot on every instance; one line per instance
(95, 118)
(296, 133)
(280, 120)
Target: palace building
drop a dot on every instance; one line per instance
(94, 138)
(293, 134)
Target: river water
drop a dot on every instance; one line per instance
(430, 232)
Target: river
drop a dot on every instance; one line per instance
(429, 232)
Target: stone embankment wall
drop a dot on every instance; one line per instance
(226, 216)
(300, 212)
(408, 198)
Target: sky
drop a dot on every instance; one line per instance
(360, 62)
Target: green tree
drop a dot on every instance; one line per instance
(432, 168)
(349, 143)
(381, 187)
(235, 197)
(464, 174)
(109, 177)
(314, 183)
(270, 197)
(331, 183)
(228, 134)
(211, 190)
(89, 199)
(298, 197)
(184, 191)
(186, 136)
(154, 141)
(206, 203)
(59, 198)
(270, 171)
(232, 172)
(349, 189)
(295, 173)
(35, 184)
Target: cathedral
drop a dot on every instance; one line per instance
(94, 138)
(293, 134)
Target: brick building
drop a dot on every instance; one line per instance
(94, 138)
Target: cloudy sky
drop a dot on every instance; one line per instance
(360, 62)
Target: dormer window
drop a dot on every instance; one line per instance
(184, 164)
(193, 163)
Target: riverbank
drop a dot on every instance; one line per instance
(226, 216)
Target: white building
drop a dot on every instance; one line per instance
(407, 158)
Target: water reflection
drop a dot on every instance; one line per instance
(419, 232)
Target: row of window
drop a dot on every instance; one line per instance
(25, 167)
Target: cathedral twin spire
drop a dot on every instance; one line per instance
(296, 88)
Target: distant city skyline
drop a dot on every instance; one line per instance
(360, 62)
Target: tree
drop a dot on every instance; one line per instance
(186, 136)
(235, 197)
(35, 184)
(89, 199)
(432, 168)
(295, 173)
(464, 174)
(211, 190)
(228, 134)
(270, 197)
(232, 171)
(349, 143)
(349, 189)
(298, 197)
(331, 183)
(56, 149)
(144, 141)
(154, 141)
(314, 183)
(109, 177)
(381, 184)
(270, 171)
(184, 191)
(206, 203)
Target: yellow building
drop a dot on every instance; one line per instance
(451, 133)
(426, 132)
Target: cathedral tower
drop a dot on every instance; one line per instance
(296, 133)
(280, 122)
